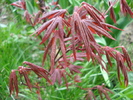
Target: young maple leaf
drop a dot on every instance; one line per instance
(28, 17)
(23, 71)
(53, 14)
(56, 75)
(36, 18)
(125, 9)
(50, 27)
(84, 28)
(103, 90)
(13, 82)
(61, 73)
(121, 59)
(112, 14)
(41, 72)
(90, 95)
(127, 58)
(122, 67)
(79, 56)
(20, 4)
(94, 13)
(53, 45)
(74, 68)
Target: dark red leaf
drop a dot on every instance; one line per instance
(125, 9)
(73, 37)
(20, 4)
(90, 95)
(28, 17)
(112, 14)
(36, 19)
(93, 14)
(95, 10)
(53, 14)
(22, 70)
(122, 67)
(82, 33)
(43, 27)
(128, 60)
(111, 26)
(98, 29)
(41, 72)
(13, 83)
(103, 90)
(52, 56)
(56, 75)
(50, 28)
(108, 58)
(74, 68)
(47, 49)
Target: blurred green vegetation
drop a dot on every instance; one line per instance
(15, 47)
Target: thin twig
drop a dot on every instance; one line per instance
(42, 5)
(61, 56)
(110, 7)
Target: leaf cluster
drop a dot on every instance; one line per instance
(69, 38)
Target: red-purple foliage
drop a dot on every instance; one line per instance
(125, 9)
(13, 83)
(70, 38)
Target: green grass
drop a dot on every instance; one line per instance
(15, 47)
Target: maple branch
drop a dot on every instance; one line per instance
(39, 36)
(61, 56)
(32, 85)
(110, 7)
(42, 5)
(57, 53)
(22, 83)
